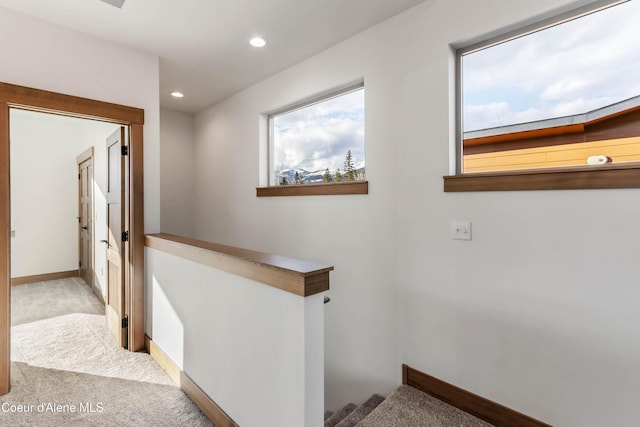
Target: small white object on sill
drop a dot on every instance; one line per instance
(598, 160)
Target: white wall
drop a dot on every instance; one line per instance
(251, 347)
(176, 172)
(46, 56)
(537, 312)
(44, 191)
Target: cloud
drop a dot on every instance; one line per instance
(568, 69)
(318, 136)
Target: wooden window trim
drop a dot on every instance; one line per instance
(302, 278)
(324, 189)
(571, 178)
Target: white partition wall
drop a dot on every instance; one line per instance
(255, 350)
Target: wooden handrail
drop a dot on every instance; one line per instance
(298, 277)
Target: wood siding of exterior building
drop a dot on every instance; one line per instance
(617, 137)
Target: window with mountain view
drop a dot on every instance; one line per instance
(319, 142)
(563, 95)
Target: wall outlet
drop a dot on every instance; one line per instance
(461, 230)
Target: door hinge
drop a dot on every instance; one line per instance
(125, 236)
(125, 322)
(125, 150)
(79, 263)
(78, 176)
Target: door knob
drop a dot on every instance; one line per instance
(85, 228)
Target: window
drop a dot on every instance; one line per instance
(563, 96)
(319, 143)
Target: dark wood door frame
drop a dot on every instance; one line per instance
(19, 97)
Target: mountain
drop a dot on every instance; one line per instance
(308, 177)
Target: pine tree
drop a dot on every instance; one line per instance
(284, 181)
(327, 176)
(350, 173)
(298, 179)
(338, 176)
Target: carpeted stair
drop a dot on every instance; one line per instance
(410, 407)
(406, 407)
(350, 414)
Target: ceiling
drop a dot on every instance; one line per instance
(203, 44)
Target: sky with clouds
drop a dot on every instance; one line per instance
(572, 68)
(318, 136)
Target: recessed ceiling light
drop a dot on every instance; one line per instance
(258, 42)
(177, 94)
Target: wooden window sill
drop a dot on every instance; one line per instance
(583, 177)
(338, 188)
(291, 275)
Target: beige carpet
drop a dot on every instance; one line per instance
(409, 407)
(68, 371)
(46, 300)
(80, 343)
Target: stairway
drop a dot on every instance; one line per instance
(406, 407)
(350, 414)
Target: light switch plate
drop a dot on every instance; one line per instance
(461, 230)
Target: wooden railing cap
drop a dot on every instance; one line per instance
(302, 278)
